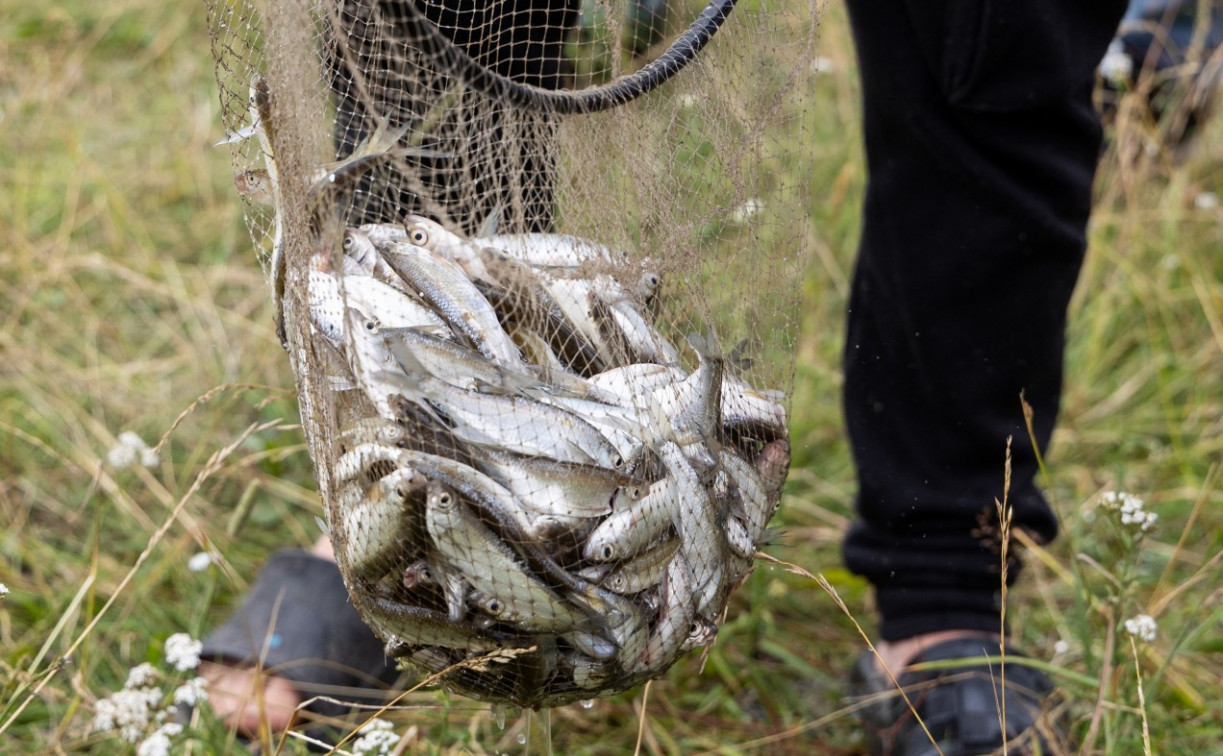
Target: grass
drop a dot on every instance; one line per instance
(131, 291)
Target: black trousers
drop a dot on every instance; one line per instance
(981, 144)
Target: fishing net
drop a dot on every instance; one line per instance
(537, 267)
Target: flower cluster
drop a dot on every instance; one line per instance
(1132, 510)
(1142, 627)
(378, 739)
(3, 590)
(159, 743)
(131, 450)
(1117, 68)
(129, 711)
(182, 652)
(143, 704)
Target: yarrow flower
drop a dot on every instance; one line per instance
(1142, 627)
(158, 744)
(192, 692)
(130, 450)
(199, 562)
(141, 676)
(1116, 67)
(182, 652)
(128, 711)
(378, 738)
(1131, 508)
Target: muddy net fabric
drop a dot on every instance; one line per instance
(537, 267)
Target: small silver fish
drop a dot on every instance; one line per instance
(629, 530)
(492, 569)
(697, 525)
(375, 526)
(675, 618)
(456, 299)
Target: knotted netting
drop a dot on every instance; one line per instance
(537, 267)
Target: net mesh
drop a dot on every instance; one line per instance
(542, 354)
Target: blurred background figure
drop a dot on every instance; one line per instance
(1168, 52)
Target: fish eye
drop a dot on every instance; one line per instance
(349, 241)
(371, 326)
(494, 607)
(617, 583)
(419, 237)
(608, 551)
(617, 461)
(444, 499)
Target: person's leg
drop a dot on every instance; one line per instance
(981, 144)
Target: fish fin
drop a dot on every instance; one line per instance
(488, 226)
(241, 135)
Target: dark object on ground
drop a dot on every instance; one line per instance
(959, 706)
(299, 610)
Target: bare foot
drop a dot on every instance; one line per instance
(897, 655)
(250, 700)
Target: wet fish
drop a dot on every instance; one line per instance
(643, 571)
(377, 526)
(554, 250)
(265, 131)
(629, 530)
(698, 528)
(456, 299)
(675, 617)
(562, 489)
(493, 569)
(409, 625)
(451, 362)
(512, 423)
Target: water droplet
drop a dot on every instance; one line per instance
(588, 703)
(522, 738)
(499, 716)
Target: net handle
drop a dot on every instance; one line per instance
(457, 63)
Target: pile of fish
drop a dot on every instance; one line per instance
(531, 490)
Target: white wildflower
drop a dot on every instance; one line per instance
(1116, 67)
(378, 738)
(1206, 201)
(199, 562)
(192, 692)
(121, 456)
(1142, 627)
(3, 590)
(158, 744)
(130, 450)
(749, 209)
(1061, 647)
(182, 652)
(1131, 508)
(127, 711)
(141, 676)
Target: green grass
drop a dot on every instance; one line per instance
(131, 289)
